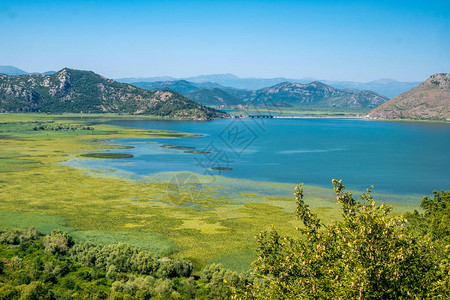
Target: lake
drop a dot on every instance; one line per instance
(395, 157)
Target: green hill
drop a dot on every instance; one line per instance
(75, 91)
(430, 100)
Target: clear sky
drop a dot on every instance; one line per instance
(334, 40)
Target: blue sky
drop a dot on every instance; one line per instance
(334, 40)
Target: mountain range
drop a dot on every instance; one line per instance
(285, 94)
(430, 100)
(386, 87)
(10, 70)
(205, 93)
(78, 91)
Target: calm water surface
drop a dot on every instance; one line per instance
(395, 157)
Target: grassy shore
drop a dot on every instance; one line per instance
(217, 225)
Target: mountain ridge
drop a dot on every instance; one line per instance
(383, 86)
(284, 94)
(316, 93)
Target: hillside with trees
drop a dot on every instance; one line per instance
(75, 91)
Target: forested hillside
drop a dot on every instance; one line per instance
(75, 91)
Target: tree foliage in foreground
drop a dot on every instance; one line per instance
(55, 266)
(369, 254)
(435, 220)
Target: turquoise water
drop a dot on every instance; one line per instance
(395, 157)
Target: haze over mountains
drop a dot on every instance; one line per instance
(78, 91)
(430, 100)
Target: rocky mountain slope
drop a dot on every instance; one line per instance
(315, 94)
(78, 91)
(429, 100)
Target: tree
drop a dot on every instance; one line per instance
(435, 220)
(35, 290)
(58, 242)
(367, 255)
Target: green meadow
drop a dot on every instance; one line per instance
(38, 190)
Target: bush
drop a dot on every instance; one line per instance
(36, 290)
(58, 242)
(17, 237)
(368, 254)
(435, 220)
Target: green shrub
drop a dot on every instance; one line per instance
(369, 254)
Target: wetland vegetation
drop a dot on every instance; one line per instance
(36, 186)
(107, 155)
(196, 241)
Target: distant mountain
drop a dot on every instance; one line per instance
(179, 86)
(228, 80)
(283, 94)
(386, 87)
(429, 100)
(206, 93)
(233, 81)
(13, 71)
(48, 73)
(214, 78)
(214, 97)
(10, 70)
(315, 94)
(146, 79)
(78, 91)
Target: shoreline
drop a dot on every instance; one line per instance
(335, 117)
(8, 117)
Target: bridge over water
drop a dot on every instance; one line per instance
(261, 116)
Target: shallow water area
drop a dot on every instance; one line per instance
(401, 158)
